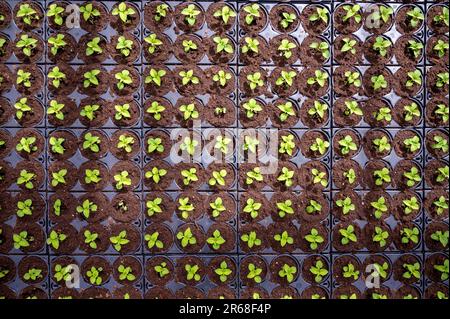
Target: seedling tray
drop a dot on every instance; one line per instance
(426, 252)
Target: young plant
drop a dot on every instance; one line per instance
(412, 176)
(216, 241)
(92, 176)
(286, 177)
(381, 45)
(124, 12)
(155, 174)
(322, 47)
(190, 14)
(189, 111)
(440, 48)
(251, 239)
(91, 143)
(126, 273)
(380, 236)
(22, 107)
(62, 273)
(218, 178)
(27, 145)
(320, 146)
(353, 78)
(55, 239)
(286, 78)
(380, 207)
(122, 179)
(86, 208)
(382, 14)
(254, 273)
(320, 77)
(155, 145)
(288, 272)
(223, 271)
(125, 143)
(352, 11)
(23, 78)
(94, 275)
(254, 175)
(189, 45)
(415, 47)
(185, 207)
(222, 77)
(123, 78)
(222, 143)
(250, 144)
(27, 13)
(217, 207)
(90, 238)
(349, 271)
(410, 234)
(318, 110)
(414, 77)
(189, 175)
(162, 270)
(154, 206)
(287, 109)
(189, 145)
(88, 111)
(346, 204)
(223, 44)
(284, 239)
(287, 19)
(24, 208)
(441, 237)
(27, 44)
(411, 110)
(346, 145)
(153, 43)
(26, 178)
(285, 48)
(252, 11)
(156, 110)
(252, 207)
(254, 80)
(22, 240)
(93, 47)
(313, 207)
(378, 82)
(442, 79)
(410, 205)
(119, 240)
(442, 112)
(251, 45)
(285, 208)
(56, 109)
(441, 205)
(442, 174)
(59, 177)
(441, 143)
(320, 14)
(188, 77)
(57, 76)
(442, 18)
(318, 271)
(352, 107)
(348, 235)
(382, 144)
(252, 108)
(153, 241)
(90, 78)
(443, 269)
(186, 237)
(192, 272)
(314, 239)
(411, 270)
(319, 177)
(55, 11)
(33, 274)
(225, 13)
(415, 16)
(382, 176)
(124, 45)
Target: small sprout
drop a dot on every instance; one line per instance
(155, 174)
(314, 239)
(186, 237)
(123, 78)
(441, 47)
(416, 16)
(381, 270)
(250, 144)
(348, 235)
(119, 240)
(287, 109)
(56, 108)
(24, 208)
(382, 144)
(254, 175)
(27, 13)
(353, 78)
(288, 272)
(319, 177)
(190, 12)
(22, 107)
(320, 14)
(443, 269)
(346, 145)
(189, 175)
(216, 240)
(27, 43)
(318, 271)
(286, 177)
(251, 239)
(284, 239)
(346, 204)
(89, 12)
(123, 11)
(441, 205)
(62, 273)
(414, 77)
(225, 13)
(223, 44)
(380, 236)
(383, 13)
(90, 77)
(378, 82)
(222, 143)
(287, 20)
(26, 178)
(217, 207)
(286, 47)
(285, 208)
(58, 177)
(155, 144)
(380, 207)
(125, 143)
(441, 143)
(442, 111)
(22, 240)
(442, 174)
(286, 78)
(23, 78)
(349, 45)
(409, 234)
(92, 176)
(122, 179)
(162, 270)
(254, 273)
(161, 11)
(313, 207)
(252, 11)
(218, 178)
(188, 77)
(412, 110)
(410, 205)
(382, 176)
(189, 111)
(94, 275)
(318, 110)
(381, 45)
(33, 274)
(93, 47)
(125, 273)
(189, 145)
(191, 272)
(442, 79)
(27, 144)
(88, 111)
(415, 47)
(185, 207)
(252, 108)
(412, 176)
(154, 206)
(91, 142)
(320, 77)
(349, 271)
(223, 271)
(320, 146)
(255, 80)
(411, 270)
(443, 17)
(222, 77)
(377, 296)
(252, 207)
(57, 207)
(54, 239)
(55, 11)
(251, 45)
(153, 241)
(189, 45)
(441, 237)
(124, 45)
(86, 208)
(322, 47)
(441, 295)
(90, 239)
(352, 11)
(153, 42)
(156, 109)
(352, 107)
(57, 76)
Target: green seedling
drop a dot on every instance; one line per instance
(189, 145)
(285, 208)
(153, 241)
(287, 272)
(320, 146)
(56, 109)
(124, 46)
(383, 114)
(162, 270)
(188, 77)
(59, 177)
(287, 19)
(415, 16)
(55, 239)
(284, 239)
(33, 274)
(225, 13)
(126, 273)
(94, 275)
(87, 208)
(314, 239)
(27, 144)
(442, 79)
(189, 176)
(442, 111)
(185, 207)
(189, 45)
(252, 207)
(353, 78)
(89, 12)
(125, 143)
(189, 111)
(411, 110)
(122, 179)
(251, 45)
(410, 234)
(88, 111)
(156, 110)
(377, 296)
(286, 78)
(378, 82)
(380, 236)
(313, 207)
(218, 178)
(348, 235)
(190, 14)
(349, 45)
(124, 12)
(441, 47)
(415, 47)
(320, 14)
(412, 176)
(223, 271)
(222, 77)
(381, 45)
(155, 174)
(119, 240)
(251, 239)
(223, 45)
(24, 208)
(346, 204)
(123, 78)
(186, 237)
(254, 273)
(26, 178)
(252, 108)
(90, 78)
(411, 270)
(254, 175)
(154, 206)
(62, 273)
(57, 76)
(286, 177)
(250, 144)
(90, 238)
(352, 107)
(319, 271)
(161, 12)
(441, 143)
(381, 270)
(346, 145)
(252, 13)
(352, 296)
(382, 176)
(27, 44)
(287, 109)
(442, 174)
(27, 13)
(352, 11)
(222, 143)
(22, 240)
(318, 110)
(319, 177)
(414, 77)
(93, 47)
(155, 145)
(382, 14)
(441, 205)
(216, 241)
(192, 272)
(382, 144)
(350, 271)
(57, 207)
(153, 43)
(23, 78)
(441, 237)
(55, 11)
(320, 77)
(442, 18)
(285, 48)
(322, 47)
(380, 207)
(22, 107)
(217, 207)
(443, 269)
(255, 81)
(91, 142)
(92, 176)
